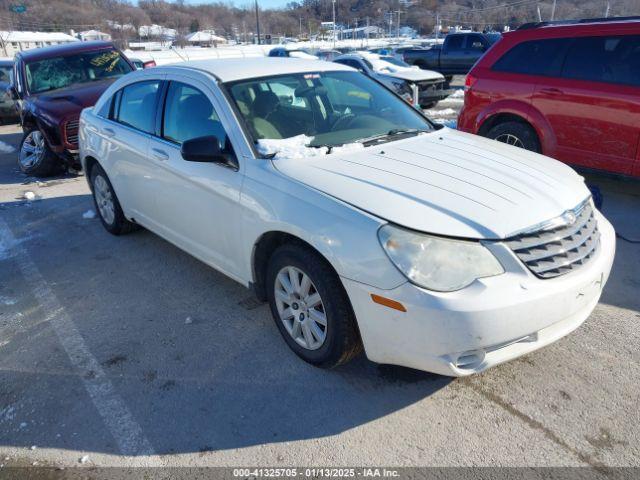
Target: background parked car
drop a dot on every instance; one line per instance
(570, 91)
(295, 53)
(8, 109)
(431, 86)
(455, 56)
(141, 64)
(52, 86)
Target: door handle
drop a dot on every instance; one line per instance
(160, 154)
(109, 132)
(551, 91)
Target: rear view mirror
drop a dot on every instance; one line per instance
(205, 149)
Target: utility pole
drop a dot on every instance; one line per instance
(398, 30)
(334, 23)
(539, 14)
(437, 26)
(553, 10)
(300, 27)
(606, 13)
(257, 23)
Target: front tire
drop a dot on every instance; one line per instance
(107, 204)
(517, 134)
(311, 308)
(35, 157)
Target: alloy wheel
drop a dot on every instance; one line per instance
(104, 199)
(510, 139)
(300, 308)
(32, 150)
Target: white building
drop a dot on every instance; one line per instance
(157, 31)
(92, 35)
(12, 42)
(204, 38)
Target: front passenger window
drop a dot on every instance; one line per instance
(189, 114)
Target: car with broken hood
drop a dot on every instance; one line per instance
(423, 88)
(363, 224)
(51, 86)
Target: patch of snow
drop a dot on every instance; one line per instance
(451, 123)
(457, 94)
(23, 425)
(446, 112)
(84, 459)
(6, 300)
(6, 148)
(29, 195)
(33, 447)
(188, 321)
(298, 147)
(89, 214)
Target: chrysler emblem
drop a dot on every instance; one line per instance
(569, 217)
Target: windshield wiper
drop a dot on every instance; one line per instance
(391, 133)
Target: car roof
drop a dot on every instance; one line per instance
(64, 49)
(604, 26)
(232, 69)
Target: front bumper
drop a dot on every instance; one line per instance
(433, 95)
(490, 322)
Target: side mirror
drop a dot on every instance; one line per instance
(205, 149)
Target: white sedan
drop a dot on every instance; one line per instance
(362, 223)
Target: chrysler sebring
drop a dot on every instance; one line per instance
(362, 223)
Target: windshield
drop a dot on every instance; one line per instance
(60, 72)
(394, 61)
(334, 108)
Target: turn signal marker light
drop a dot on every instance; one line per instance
(387, 302)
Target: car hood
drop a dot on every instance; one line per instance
(69, 102)
(412, 74)
(447, 183)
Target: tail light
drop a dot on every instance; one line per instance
(149, 64)
(469, 82)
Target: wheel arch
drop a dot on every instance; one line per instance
(263, 249)
(516, 111)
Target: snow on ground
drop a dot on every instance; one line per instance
(173, 55)
(89, 214)
(451, 123)
(6, 148)
(441, 113)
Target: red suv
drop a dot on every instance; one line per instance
(569, 90)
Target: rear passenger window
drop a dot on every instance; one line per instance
(136, 105)
(189, 114)
(536, 57)
(604, 59)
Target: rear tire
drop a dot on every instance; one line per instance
(35, 157)
(299, 313)
(517, 134)
(107, 204)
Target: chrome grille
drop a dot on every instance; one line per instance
(555, 251)
(71, 131)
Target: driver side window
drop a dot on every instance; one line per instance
(189, 114)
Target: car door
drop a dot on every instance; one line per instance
(452, 57)
(197, 204)
(593, 107)
(125, 130)
(475, 46)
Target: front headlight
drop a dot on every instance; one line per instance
(437, 263)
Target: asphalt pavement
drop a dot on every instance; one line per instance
(127, 351)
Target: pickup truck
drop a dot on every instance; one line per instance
(455, 56)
